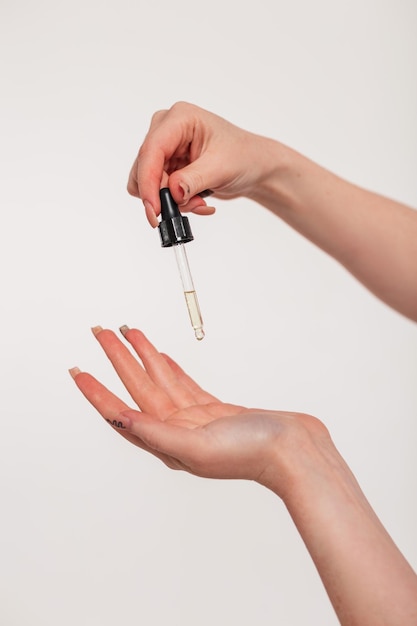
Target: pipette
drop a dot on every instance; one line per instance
(175, 232)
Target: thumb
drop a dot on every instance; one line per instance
(202, 176)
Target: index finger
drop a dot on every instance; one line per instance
(155, 150)
(149, 397)
(170, 133)
(165, 373)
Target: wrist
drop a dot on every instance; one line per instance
(367, 578)
(278, 170)
(300, 458)
(304, 468)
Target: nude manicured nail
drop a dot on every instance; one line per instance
(150, 214)
(96, 330)
(74, 371)
(123, 329)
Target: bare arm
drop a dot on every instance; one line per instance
(366, 577)
(373, 237)
(368, 580)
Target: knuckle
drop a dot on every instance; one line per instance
(158, 115)
(132, 188)
(182, 107)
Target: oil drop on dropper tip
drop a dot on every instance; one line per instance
(175, 231)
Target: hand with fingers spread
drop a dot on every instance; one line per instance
(191, 150)
(291, 454)
(187, 427)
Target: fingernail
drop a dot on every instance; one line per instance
(96, 330)
(186, 193)
(121, 422)
(123, 329)
(150, 214)
(74, 371)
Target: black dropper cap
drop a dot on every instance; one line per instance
(174, 228)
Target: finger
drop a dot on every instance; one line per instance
(158, 368)
(150, 214)
(175, 442)
(110, 407)
(132, 182)
(207, 172)
(161, 143)
(175, 137)
(206, 193)
(150, 160)
(204, 210)
(200, 396)
(196, 204)
(147, 395)
(132, 185)
(107, 404)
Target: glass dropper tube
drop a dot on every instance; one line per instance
(189, 291)
(175, 231)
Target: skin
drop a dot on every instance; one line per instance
(191, 150)
(366, 577)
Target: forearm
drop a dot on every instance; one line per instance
(375, 238)
(366, 577)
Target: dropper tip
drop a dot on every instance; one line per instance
(199, 334)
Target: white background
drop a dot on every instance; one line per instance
(94, 532)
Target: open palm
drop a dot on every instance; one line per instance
(178, 421)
